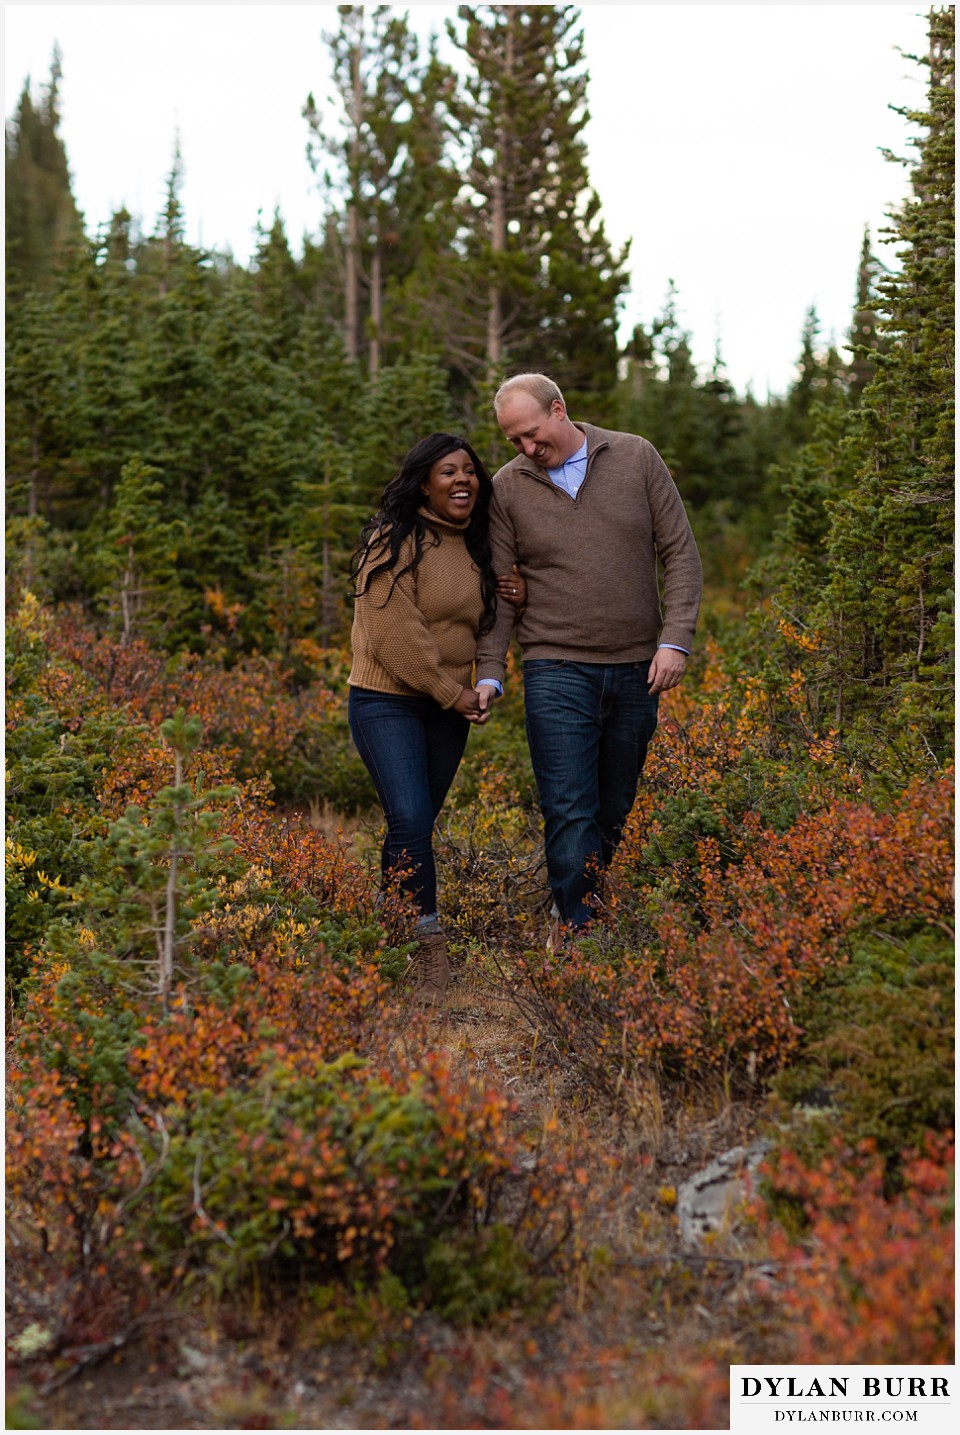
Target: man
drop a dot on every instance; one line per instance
(585, 513)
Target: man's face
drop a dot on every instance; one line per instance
(545, 435)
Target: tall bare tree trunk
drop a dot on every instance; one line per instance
(352, 297)
(326, 604)
(170, 913)
(498, 222)
(376, 310)
(34, 475)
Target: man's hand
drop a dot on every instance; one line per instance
(486, 696)
(667, 667)
(475, 704)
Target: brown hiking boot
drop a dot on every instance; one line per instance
(431, 969)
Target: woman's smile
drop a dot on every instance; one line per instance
(452, 486)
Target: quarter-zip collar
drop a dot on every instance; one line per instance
(595, 445)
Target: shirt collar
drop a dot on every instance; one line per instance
(579, 457)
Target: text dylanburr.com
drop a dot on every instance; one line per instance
(765, 1398)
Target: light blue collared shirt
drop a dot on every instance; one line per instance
(571, 473)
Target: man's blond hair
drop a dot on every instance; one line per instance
(538, 386)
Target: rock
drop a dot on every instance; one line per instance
(35, 1340)
(707, 1202)
(191, 1361)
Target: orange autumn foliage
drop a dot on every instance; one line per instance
(871, 1281)
(719, 986)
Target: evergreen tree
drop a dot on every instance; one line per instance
(807, 483)
(138, 559)
(409, 400)
(177, 297)
(424, 299)
(539, 260)
(891, 541)
(868, 540)
(100, 326)
(817, 371)
(244, 475)
(159, 878)
(42, 219)
(695, 424)
(278, 297)
(864, 333)
(389, 172)
(35, 386)
(328, 519)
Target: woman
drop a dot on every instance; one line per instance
(425, 590)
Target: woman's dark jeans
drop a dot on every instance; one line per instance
(411, 747)
(588, 725)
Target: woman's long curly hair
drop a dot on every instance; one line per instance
(399, 516)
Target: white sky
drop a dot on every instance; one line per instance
(739, 145)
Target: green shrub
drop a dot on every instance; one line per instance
(878, 1057)
(470, 1278)
(323, 766)
(334, 1169)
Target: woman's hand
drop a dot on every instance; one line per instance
(468, 705)
(512, 587)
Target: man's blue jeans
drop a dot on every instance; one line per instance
(411, 747)
(588, 725)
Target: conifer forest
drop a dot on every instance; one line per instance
(249, 1184)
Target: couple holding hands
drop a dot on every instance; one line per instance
(575, 526)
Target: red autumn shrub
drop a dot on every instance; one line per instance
(871, 1279)
(251, 708)
(719, 985)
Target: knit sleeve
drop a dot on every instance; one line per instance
(677, 551)
(492, 647)
(398, 636)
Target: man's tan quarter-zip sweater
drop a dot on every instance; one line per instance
(591, 562)
(418, 633)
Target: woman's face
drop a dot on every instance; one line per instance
(452, 486)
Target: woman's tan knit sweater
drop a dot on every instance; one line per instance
(418, 633)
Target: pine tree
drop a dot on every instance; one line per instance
(42, 219)
(817, 371)
(36, 381)
(253, 412)
(539, 259)
(174, 375)
(864, 336)
(160, 865)
(423, 300)
(328, 519)
(891, 542)
(389, 172)
(138, 559)
(100, 326)
(278, 297)
(409, 400)
(695, 424)
(869, 530)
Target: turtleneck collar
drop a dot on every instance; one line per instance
(428, 515)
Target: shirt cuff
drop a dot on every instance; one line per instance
(675, 647)
(491, 683)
